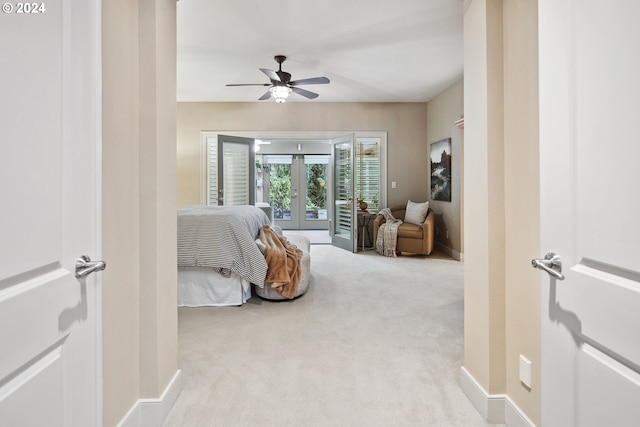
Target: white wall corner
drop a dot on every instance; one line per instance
(154, 412)
(494, 408)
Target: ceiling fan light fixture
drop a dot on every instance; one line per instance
(280, 93)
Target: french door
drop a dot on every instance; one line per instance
(296, 187)
(232, 183)
(343, 229)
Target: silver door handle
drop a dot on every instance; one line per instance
(551, 264)
(84, 266)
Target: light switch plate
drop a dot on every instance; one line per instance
(525, 371)
(393, 184)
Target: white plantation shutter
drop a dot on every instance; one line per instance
(236, 174)
(343, 188)
(212, 158)
(368, 171)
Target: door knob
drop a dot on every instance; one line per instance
(84, 266)
(551, 264)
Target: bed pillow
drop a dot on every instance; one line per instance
(416, 212)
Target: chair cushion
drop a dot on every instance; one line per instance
(416, 212)
(410, 231)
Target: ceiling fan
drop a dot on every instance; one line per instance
(282, 85)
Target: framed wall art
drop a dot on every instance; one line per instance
(441, 170)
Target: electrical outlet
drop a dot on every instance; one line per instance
(525, 371)
(394, 184)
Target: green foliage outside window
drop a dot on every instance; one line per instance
(280, 186)
(316, 188)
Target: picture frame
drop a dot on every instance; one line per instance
(440, 163)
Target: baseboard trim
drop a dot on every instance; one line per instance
(153, 412)
(458, 256)
(494, 408)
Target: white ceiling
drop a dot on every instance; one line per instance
(371, 50)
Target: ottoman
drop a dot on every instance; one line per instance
(304, 245)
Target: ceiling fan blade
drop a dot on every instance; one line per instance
(304, 93)
(312, 81)
(249, 84)
(265, 96)
(271, 74)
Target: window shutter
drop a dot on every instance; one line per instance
(368, 171)
(212, 157)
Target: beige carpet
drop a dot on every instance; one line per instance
(375, 342)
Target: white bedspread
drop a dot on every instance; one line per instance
(222, 238)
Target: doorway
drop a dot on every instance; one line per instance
(295, 174)
(295, 185)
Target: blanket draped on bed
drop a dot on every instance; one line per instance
(388, 234)
(222, 238)
(283, 259)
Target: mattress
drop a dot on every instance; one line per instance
(201, 287)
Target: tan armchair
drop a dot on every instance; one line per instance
(411, 238)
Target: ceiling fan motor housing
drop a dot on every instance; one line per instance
(285, 77)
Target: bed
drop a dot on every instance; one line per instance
(218, 258)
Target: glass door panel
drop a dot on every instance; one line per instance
(236, 171)
(315, 202)
(277, 172)
(343, 230)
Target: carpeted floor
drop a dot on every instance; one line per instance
(375, 342)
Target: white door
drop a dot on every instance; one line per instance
(50, 338)
(590, 207)
(343, 227)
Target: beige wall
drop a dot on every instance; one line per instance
(120, 223)
(522, 205)
(139, 231)
(442, 112)
(501, 203)
(405, 124)
(484, 195)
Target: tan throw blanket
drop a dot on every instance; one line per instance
(388, 234)
(283, 261)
